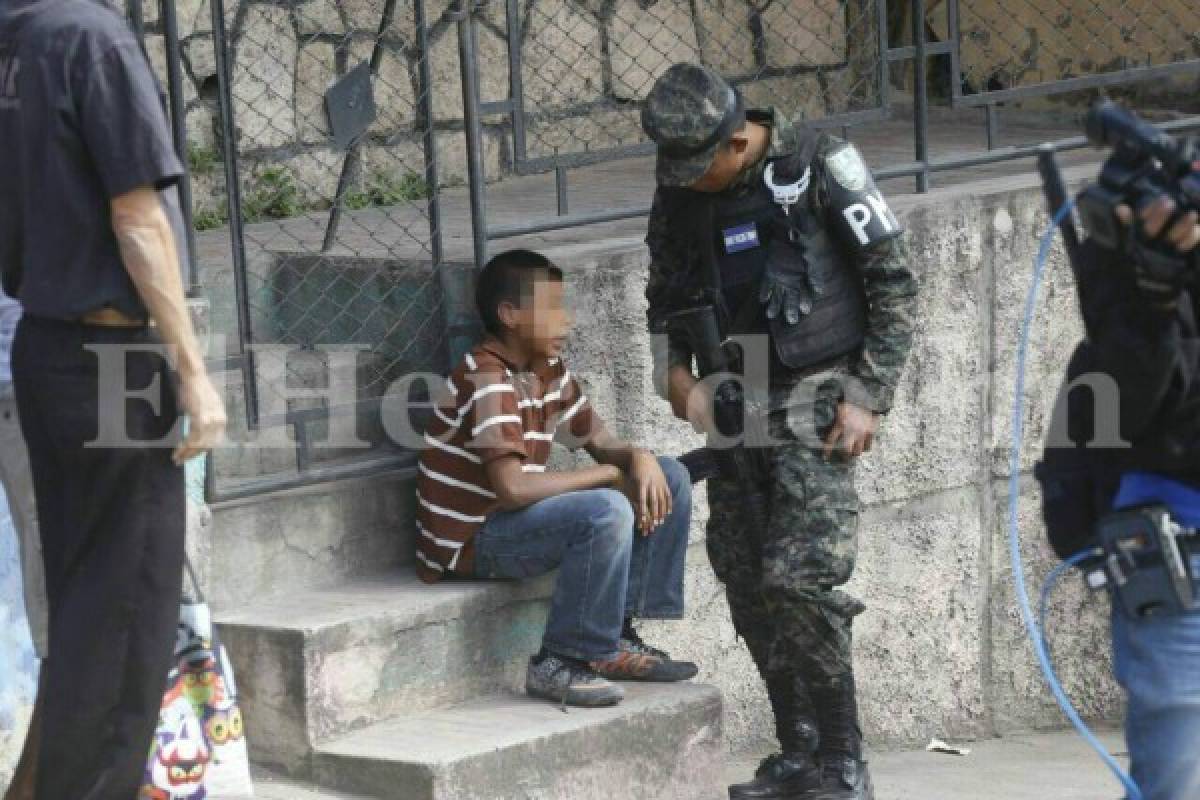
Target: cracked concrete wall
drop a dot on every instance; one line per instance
(942, 650)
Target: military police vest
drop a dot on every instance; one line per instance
(751, 227)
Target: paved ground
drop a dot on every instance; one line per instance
(1051, 766)
(1054, 766)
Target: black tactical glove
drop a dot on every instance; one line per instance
(786, 286)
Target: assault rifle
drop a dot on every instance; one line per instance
(733, 419)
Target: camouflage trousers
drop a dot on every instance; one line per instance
(781, 582)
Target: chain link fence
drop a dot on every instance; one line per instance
(339, 249)
(585, 67)
(324, 114)
(332, 147)
(1014, 44)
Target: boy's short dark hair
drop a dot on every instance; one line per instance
(507, 278)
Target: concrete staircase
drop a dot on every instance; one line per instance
(355, 677)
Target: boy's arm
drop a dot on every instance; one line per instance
(644, 483)
(609, 449)
(516, 488)
(498, 439)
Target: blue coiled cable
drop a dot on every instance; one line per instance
(1034, 627)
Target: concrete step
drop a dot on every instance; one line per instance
(288, 541)
(318, 663)
(662, 742)
(272, 786)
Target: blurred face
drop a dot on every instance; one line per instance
(542, 322)
(727, 164)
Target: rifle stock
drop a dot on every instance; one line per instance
(745, 466)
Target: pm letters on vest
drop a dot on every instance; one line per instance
(862, 217)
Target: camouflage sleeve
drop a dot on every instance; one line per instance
(891, 289)
(666, 288)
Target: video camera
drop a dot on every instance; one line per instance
(1146, 164)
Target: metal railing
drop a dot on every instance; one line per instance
(341, 130)
(918, 55)
(323, 175)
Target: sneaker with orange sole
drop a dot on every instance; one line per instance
(631, 665)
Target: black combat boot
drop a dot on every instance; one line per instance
(844, 773)
(793, 774)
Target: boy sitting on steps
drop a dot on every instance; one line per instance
(487, 507)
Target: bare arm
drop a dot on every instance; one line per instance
(689, 400)
(148, 251)
(643, 481)
(516, 489)
(609, 449)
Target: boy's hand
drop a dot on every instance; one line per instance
(647, 490)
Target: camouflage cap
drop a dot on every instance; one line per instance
(690, 112)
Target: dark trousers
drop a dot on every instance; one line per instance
(113, 524)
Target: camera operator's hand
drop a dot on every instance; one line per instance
(1184, 235)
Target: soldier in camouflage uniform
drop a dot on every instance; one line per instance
(782, 229)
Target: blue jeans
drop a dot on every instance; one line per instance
(608, 571)
(1157, 661)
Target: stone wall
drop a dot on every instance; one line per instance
(586, 64)
(1003, 46)
(942, 650)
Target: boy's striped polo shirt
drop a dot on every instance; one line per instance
(490, 409)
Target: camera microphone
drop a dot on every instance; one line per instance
(1109, 125)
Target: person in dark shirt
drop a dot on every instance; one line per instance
(104, 361)
(1132, 447)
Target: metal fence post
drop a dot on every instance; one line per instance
(516, 87)
(469, 62)
(428, 136)
(353, 161)
(137, 19)
(170, 23)
(920, 95)
(233, 194)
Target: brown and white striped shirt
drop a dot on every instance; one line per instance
(491, 409)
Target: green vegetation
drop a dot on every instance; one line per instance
(206, 219)
(202, 160)
(384, 189)
(273, 194)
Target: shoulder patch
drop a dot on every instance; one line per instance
(847, 168)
